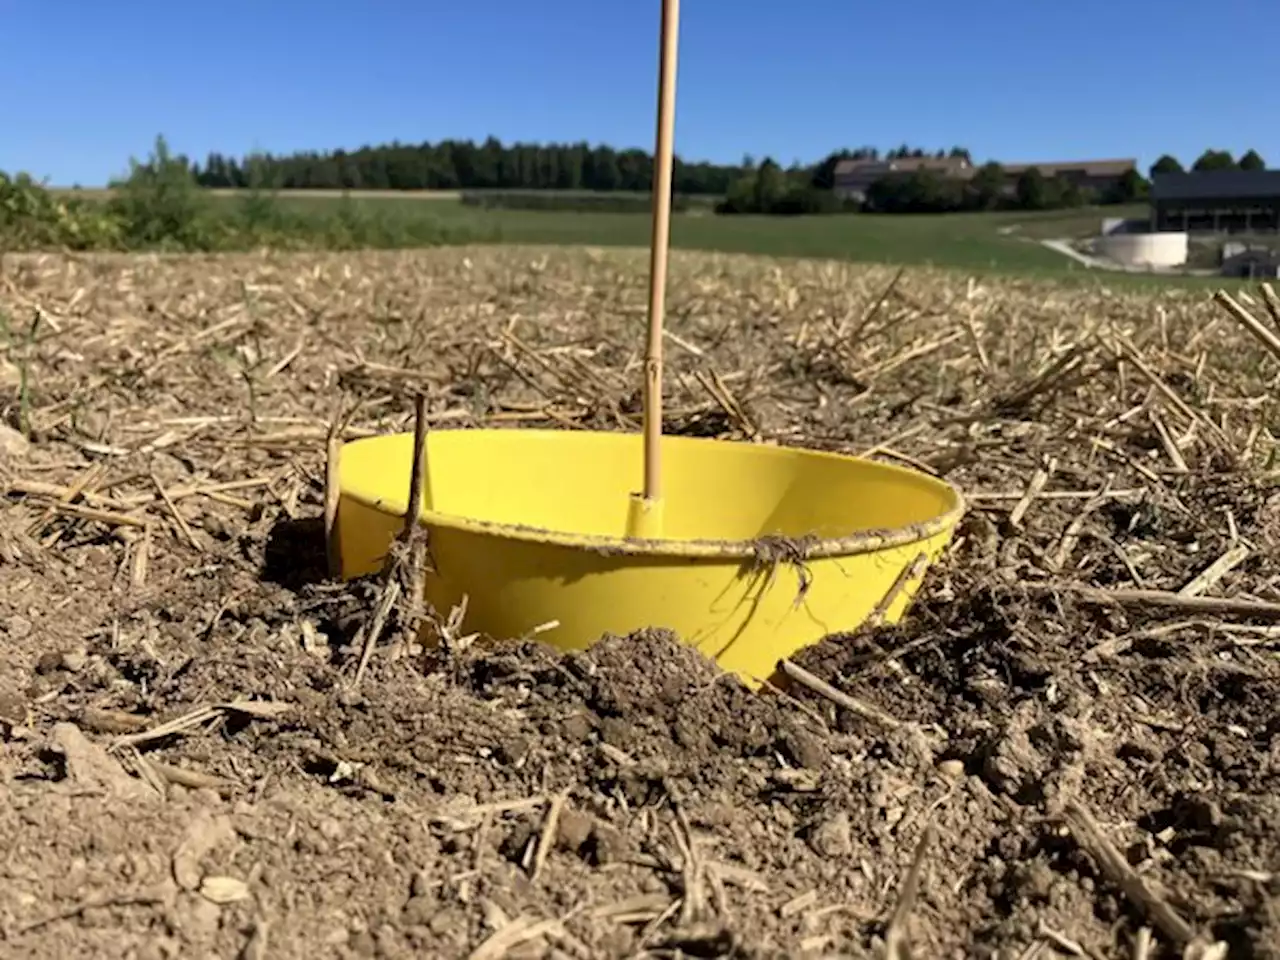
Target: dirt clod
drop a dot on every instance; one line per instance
(832, 836)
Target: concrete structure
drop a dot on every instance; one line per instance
(1154, 251)
(1250, 263)
(1217, 201)
(1112, 225)
(854, 177)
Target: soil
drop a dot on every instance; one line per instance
(188, 770)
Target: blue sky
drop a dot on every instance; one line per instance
(87, 83)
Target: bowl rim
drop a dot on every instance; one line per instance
(797, 549)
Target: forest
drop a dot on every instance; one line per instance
(748, 186)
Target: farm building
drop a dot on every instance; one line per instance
(854, 177)
(1096, 175)
(1216, 201)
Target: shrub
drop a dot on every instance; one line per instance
(159, 206)
(32, 217)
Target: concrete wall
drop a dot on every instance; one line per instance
(1144, 249)
(1112, 225)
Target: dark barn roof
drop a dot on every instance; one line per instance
(960, 167)
(1217, 185)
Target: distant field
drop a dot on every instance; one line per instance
(995, 242)
(999, 242)
(306, 194)
(364, 194)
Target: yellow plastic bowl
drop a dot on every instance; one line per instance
(763, 550)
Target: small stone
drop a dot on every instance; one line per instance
(349, 697)
(804, 749)
(446, 920)
(833, 837)
(224, 889)
(607, 844)
(573, 830)
(419, 911)
(575, 728)
(420, 885)
(13, 445)
(256, 946)
(517, 839)
(198, 921)
(616, 732)
(74, 660)
(217, 526)
(91, 425)
(335, 937)
(362, 943)
(511, 749)
(951, 769)
(13, 709)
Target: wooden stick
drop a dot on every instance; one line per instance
(1272, 301)
(1249, 322)
(415, 535)
(1116, 869)
(109, 517)
(141, 557)
(411, 537)
(658, 248)
(335, 436)
(910, 572)
(1142, 944)
(68, 495)
(190, 778)
(333, 492)
(550, 827)
(419, 470)
(1208, 578)
(895, 938)
(178, 518)
(1223, 606)
(372, 629)
(841, 699)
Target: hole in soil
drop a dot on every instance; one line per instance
(1240, 935)
(295, 555)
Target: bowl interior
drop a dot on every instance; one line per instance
(580, 482)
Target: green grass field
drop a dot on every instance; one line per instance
(1003, 242)
(994, 242)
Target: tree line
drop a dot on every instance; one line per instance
(462, 165)
(1211, 160)
(745, 187)
(493, 165)
(768, 189)
(771, 190)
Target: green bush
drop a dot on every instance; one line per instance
(160, 206)
(33, 218)
(771, 190)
